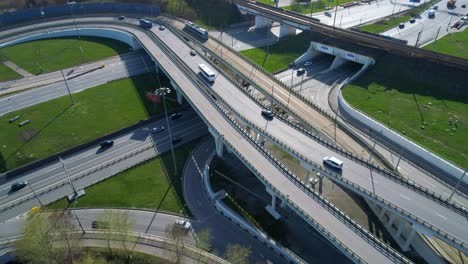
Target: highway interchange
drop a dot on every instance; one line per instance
(278, 130)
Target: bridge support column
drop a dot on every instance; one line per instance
(390, 221)
(262, 22)
(409, 239)
(271, 208)
(218, 142)
(286, 30)
(180, 97)
(337, 62)
(400, 229)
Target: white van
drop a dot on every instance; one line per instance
(333, 162)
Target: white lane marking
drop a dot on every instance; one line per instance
(405, 197)
(441, 216)
(372, 180)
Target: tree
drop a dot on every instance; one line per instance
(177, 234)
(237, 254)
(65, 232)
(116, 225)
(204, 240)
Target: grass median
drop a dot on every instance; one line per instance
(425, 103)
(7, 74)
(150, 185)
(280, 54)
(49, 55)
(455, 44)
(57, 125)
(315, 6)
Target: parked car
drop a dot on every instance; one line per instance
(333, 162)
(184, 224)
(107, 144)
(158, 129)
(401, 25)
(162, 27)
(193, 52)
(121, 18)
(301, 71)
(18, 186)
(267, 114)
(176, 116)
(307, 63)
(412, 20)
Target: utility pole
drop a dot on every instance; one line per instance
(163, 91)
(458, 184)
(75, 194)
(35, 194)
(291, 86)
(336, 10)
(68, 88)
(437, 35)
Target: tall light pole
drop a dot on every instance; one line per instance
(35, 194)
(458, 184)
(68, 88)
(68, 176)
(163, 91)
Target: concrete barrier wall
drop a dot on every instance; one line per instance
(413, 152)
(92, 32)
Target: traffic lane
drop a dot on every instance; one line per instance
(88, 162)
(318, 64)
(303, 143)
(207, 217)
(189, 118)
(326, 219)
(53, 194)
(55, 90)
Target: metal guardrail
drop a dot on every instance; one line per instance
(81, 175)
(383, 171)
(327, 205)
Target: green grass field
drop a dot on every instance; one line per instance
(455, 44)
(281, 54)
(150, 185)
(389, 22)
(268, 2)
(7, 74)
(56, 126)
(54, 54)
(316, 6)
(424, 106)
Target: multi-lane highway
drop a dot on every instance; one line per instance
(89, 166)
(116, 68)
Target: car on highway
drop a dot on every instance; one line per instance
(121, 18)
(267, 114)
(107, 144)
(158, 129)
(99, 225)
(412, 20)
(176, 140)
(183, 224)
(301, 71)
(333, 162)
(162, 27)
(193, 53)
(176, 116)
(435, 7)
(307, 63)
(18, 186)
(431, 13)
(459, 24)
(401, 25)
(465, 18)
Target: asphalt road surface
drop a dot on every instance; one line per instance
(42, 179)
(116, 68)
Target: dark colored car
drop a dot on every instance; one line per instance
(176, 116)
(158, 129)
(107, 144)
(100, 225)
(267, 114)
(18, 186)
(401, 25)
(412, 20)
(176, 140)
(300, 71)
(121, 18)
(193, 52)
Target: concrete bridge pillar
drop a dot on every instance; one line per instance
(179, 94)
(337, 62)
(271, 208)
(400, 229)
(286, 30)
(218, 142)
(390, 221)
(409, 239)
(382, 212)
(262, 22)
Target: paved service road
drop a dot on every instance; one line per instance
(116, 68)
(207, 217)
(188, 127)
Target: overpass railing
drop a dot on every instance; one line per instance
(208, 93)
(356, 158)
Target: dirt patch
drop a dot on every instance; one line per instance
(27, 134)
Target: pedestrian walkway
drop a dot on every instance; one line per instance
(17, 69)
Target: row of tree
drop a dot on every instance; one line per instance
(52, 238)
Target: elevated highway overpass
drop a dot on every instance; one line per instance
(344, 233)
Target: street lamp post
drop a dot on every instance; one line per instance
(68, 88)
(35, 194)
(163, 91)
(76, 193)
